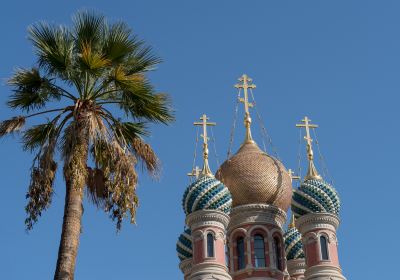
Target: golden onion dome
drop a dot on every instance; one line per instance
(252, 176)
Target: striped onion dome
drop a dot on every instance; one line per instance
(293, 244)
(207, 193)
(184, 245)
(315, 196)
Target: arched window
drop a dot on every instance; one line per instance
(277, 253)
(324, 248)
(240, 253)
(259, 251)
(210, 245)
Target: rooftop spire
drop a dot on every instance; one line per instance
(292, 223)
(245, 83)
(312, 172)
(206, 168)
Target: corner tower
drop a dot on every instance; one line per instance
(207, 204)
(261, 193)
(316, 206)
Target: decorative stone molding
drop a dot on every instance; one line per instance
(322, 272)
(317, 221)
(296, 267)
(186, 266)
(204, 218)
(256, 214)
(209, 270)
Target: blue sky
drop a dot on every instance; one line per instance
(336, 61)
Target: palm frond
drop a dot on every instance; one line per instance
(129, 134)
(89, 28)
(96, 187)
(54, 47)
(31, 91)
(40, 190)
(38, 135)
(92, 60)
(118, 166)
(119, 44)
(11, 125)
(142, 60)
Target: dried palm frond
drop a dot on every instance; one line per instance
(147, 155)
(41, 186)
(96, 188)
(11, 125)
(120, 179)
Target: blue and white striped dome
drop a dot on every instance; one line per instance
(207, 193)
(315, 196)
(293, 244)
(184, 245)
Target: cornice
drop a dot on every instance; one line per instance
(256, 214)
(204, 218)
(296, 267)
(314, 221)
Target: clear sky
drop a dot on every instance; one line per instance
(336, 61)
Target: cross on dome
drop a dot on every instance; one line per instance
(204, 123)
(246, 83)
(195, 172)
(312, 171)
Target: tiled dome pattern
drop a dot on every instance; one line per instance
(315, 196)
(293, 244)
(184, 245)
(253, 176)
(206, 193)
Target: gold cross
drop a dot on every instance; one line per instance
(206, 168)
(306, 124)
(195, 172)
(246, 83)
(292, 176)
(312, 171)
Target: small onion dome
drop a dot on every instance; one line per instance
(315, 196)
(207, 193)
(184, 245)
(293, 244)
(252, 176)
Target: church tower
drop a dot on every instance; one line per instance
(207, 204)
(296, 263)
(316, 206)
(261, 193)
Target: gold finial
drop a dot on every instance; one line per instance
(292, 176)
(246, 84)
(195, 172)
(292, 223)
(206, 168)
(312, 171)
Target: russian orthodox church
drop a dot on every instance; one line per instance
(235, 220)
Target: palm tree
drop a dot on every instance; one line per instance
(83, 75)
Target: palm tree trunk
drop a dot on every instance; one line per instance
(75, 174)
(71, 229)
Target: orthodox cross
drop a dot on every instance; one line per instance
(312, 171)
(292, 176)
(245, 84)
(204, 123)
(195, 172)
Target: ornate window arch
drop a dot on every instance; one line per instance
(323, 241)
(277, 252)
(259, 250)
(240, 252)
(210, 245)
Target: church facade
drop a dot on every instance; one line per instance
(235, 219)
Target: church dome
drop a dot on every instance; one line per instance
(184, 245)
(253, 176)
(315, 196)
(206, 193)
(293, 244)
